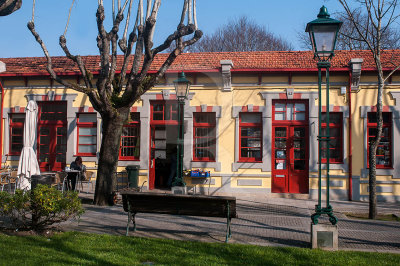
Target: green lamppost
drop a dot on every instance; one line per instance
(182, 86)
(323, 34)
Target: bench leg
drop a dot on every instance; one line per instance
(127, 225)
(228, 223)
(131, 217)
(228, 230)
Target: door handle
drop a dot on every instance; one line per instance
(151, 163)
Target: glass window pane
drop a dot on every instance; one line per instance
(44, 131)
(135, 116)
(280, 132)
(299, 132)
(372, 132)
(87, 118)
(280, 154)
(87, 140)
(334, 132)
(62, 140)
(16, 147)
(279, 116)
(44, 140)
(250, 118)
(18, 118)
(158, 107)
(158, 116)
(300, 116)
(281, 144)
(280, 107)
(17, 131)
(300, 107)
(87, 131)
(387, 117)
(44, 148)
(299, 154)
(87, 149)
(289, 111)
(61, 148)
(61, 158)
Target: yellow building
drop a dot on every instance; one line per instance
(251, 120)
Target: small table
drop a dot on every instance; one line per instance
(78, 177)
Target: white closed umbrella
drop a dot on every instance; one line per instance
(28, 164)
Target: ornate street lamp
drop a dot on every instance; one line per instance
(182, 86)
(323, 34)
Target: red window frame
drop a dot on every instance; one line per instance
(257, 137)
(126, 143)
(164, 112)
(16, 123)
(335, 124)
(276, 111)
(386, 135)
(203, 143)
(81, 125)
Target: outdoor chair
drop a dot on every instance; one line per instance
(63, 178)
(122, 180)
(58, 180)
(4, 179)
(13, 180)
(88, 177)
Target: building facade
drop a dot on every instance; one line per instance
(251, 119)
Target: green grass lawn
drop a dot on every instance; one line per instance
(89, 249)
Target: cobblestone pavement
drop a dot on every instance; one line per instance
(262, 221)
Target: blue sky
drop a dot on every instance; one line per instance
(284, 18)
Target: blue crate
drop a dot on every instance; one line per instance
(196, 173)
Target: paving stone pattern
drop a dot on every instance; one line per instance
(262, 221)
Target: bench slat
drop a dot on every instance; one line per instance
(209, 206)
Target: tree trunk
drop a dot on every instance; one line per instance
(373, 147)
(372, 181)
(112, 124)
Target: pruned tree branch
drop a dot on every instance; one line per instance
(119, 86)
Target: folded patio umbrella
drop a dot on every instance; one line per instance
(28, 164)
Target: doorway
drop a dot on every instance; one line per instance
(290, 147)
(52, 135)
(163, 154)
(163, 141)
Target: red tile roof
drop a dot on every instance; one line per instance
(251, 61)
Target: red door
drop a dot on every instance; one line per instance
(163, 114)
(152, 159)
(52, 136)
(290, 159)
(290, 146)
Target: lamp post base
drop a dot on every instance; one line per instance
(179, 190)
(324, 236)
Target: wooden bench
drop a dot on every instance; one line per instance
(191, 205)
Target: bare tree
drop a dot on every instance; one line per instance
(118, 87)
(381, 15)
(350, 39)
(241, 35)
(9, 6)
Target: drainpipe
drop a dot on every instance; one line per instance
(1, 122)
(2, 69)
(354, 83)
(350, 141)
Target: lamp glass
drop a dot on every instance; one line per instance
(324, 37)
(181, 89)
(182, 86)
